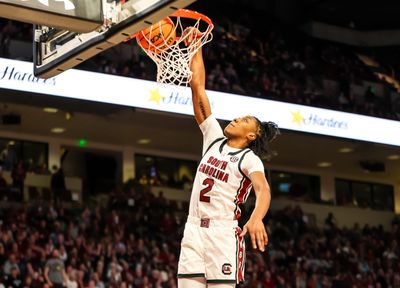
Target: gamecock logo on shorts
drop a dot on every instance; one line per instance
(227, 269)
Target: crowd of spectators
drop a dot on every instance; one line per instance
(260, 59)
(128, 248)
(134, 241)
(304, 256)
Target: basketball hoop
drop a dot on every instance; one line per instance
(173, 60)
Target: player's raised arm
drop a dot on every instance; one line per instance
(201, 104)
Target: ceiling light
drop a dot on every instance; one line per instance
(346, 150)
(57, 130)
(144, 141)
(393, 157)
(68, 115)
(324, 164)
(50, 110)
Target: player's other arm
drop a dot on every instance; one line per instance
(255, 226)
(201, 104)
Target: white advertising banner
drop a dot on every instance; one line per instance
(17, 75)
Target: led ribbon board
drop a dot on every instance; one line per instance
(77, 84)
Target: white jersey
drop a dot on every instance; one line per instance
(222, 180)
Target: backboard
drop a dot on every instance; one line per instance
(73, 15)
(56, 50)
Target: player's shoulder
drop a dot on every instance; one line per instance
(250, 153)
(250, 157)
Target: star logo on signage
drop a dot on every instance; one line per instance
(155, 96)
(297, 118)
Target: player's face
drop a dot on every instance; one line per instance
(242, 127)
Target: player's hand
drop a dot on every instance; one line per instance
(258, 235)
(191, 34)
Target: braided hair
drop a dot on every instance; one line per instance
(267, 132)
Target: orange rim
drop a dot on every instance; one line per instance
(185, 13)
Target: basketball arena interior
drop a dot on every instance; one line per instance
(98, 161)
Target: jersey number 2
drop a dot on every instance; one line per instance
(209, 183)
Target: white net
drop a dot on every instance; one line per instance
(173, 61)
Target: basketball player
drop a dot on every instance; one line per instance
(212, 248)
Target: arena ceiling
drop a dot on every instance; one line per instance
(362, 15)
(179, 135)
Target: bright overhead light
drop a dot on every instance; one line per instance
(324, 164)
(50, 110)
(144, 141)
(68, 115)
(57, 130)
(393, 157)
(346, 150)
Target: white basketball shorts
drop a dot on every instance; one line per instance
(212, 249)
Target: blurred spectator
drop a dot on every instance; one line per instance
(8, 158)
(13, 280)
(144, 180)
(330, 221)
(18, 175)
(10, 264)
(57, 185)
(96, 282)
(7, 32)
(54, 271)
(42, 169)
(3, 182)
(187, 184)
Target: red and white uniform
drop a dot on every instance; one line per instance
(212, 247)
